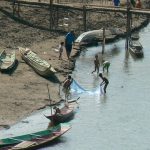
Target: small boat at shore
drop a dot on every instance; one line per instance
(95, 36)
(7, 60)
(136, 48)
(66, 113)
(34, 140)
(40, 66)
(135, 36)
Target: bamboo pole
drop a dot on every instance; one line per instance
(49, 99)
(103, 46)
(84, 18)
(128, 27)
(14, 7)
(18, 11)
(51, 10)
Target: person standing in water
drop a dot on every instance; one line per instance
(106, 65)
(104, 82)
(96, 64)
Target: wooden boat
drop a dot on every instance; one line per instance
(7, 60)
(34, 140)
(136, 48)
(135, 36)
(40, 66)
(95, 36)
(66, 113)
(40, 141)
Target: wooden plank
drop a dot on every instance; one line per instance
(24, 144)
(89, 7)
(16, 139)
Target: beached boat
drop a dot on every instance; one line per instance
(7, 60)
(66, 113)
(95, 36)
(34, 140)
(136, 48)
(40, 66)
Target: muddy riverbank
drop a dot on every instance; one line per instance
(23, 91)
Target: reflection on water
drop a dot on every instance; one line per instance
(114, 50)
(118, 120)
(103, 99)
(126, 61)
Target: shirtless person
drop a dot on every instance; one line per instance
(104, 81)
(66, 86)
(96, 64)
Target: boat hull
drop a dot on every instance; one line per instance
(43, 69)
(66, 114)
(7, 61)
(136, 49)
(39, 142)
(94, 37)
(136, 53)
(28, 137)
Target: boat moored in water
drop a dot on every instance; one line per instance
(66, 113)
(34, 140)
(136, 48)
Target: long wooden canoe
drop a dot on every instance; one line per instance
(39, 141)
(66, 113)
(38, 138)
(40, 66)
(7, 60)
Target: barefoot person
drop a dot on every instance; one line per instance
(66, 86)
(61, 48)
(104, 82)
(106, 65)
(96, 64)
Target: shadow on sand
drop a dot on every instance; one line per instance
(52, 78)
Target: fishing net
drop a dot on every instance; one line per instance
(77, 90)
(75, 87)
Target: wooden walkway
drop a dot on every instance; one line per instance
(89, 7)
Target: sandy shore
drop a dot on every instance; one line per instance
(24, 91)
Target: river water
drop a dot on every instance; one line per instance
(118, 120)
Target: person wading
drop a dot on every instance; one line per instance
(106, 65)
(96, 64)
(104, 82)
